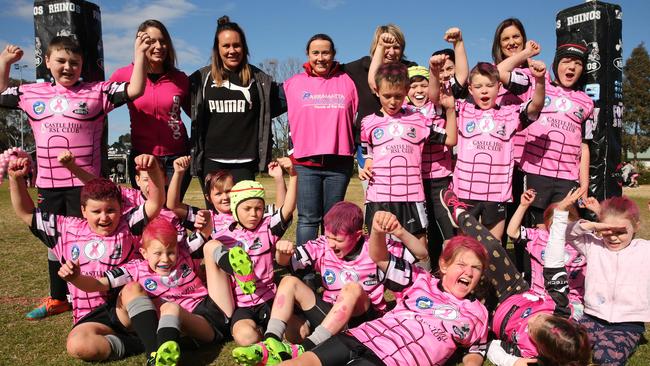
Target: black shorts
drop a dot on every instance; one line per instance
(105, 314)
(260, 314)
(490, 213)
(411, 215)
(217, 319)
(344, 349)
(60, 201)
(548, 190)
(324, 307)
(436, 212)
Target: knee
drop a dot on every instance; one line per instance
(80, 348)
(245, 332)
(288, 282)
(352, 290)
(130, 291)
(209, 247)
(170, 308)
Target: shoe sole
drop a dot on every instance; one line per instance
(242, 265)
(444, 204)
(244, 359)
(168, 354)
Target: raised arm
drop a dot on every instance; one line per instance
(382, 223)
(289, 205)
(174, 190)
(67, 159)
(514, 226)
(506, 66)
(20, 199)
(448, 102)
(538, 70)
(584, 170)
(10, 55)
(436, 63)
(71, 272)
(138, 78)
(393, 226)
(455, 37)
(156, 198)
(385, 40)
(275, 171)
(284, 250)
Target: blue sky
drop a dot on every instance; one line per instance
(279, 29)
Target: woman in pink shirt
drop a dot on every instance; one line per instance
(156, 125)
(322, 104)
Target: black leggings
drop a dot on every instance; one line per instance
(501, 274)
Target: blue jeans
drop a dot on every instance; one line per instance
(318, 190)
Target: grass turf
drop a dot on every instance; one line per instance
(23, 271)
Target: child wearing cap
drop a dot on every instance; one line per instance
(245, 252)
(556, 154)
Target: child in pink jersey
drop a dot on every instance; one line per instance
(169, 276)
(536, 240)
(394, 140)
(483, 174)
(245, 252)
(66, 114)
(432, 319)
(104, 239)
(527, 324)
(556, 154)
(353, 291)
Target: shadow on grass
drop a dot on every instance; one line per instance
(192, 354)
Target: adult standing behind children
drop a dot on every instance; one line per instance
(156, 124)
(232, 106)
(66, 114)
(322, 104)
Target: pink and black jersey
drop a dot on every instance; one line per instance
(395, 144)
(485, 151)
(553, 142)
(70, 238)
(66, 119)
(182, 286)
(436, 158)
(260, 246)
(336, 272)
(427, 325)
(132, 197)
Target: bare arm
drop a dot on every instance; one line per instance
(584, 169)
(527, 199)
(20, 199)
(436, 63)
(138, 78)
(451, 127)
(385, 39)
(67, 159)
(284, 250)
(10, 55)
(174, 190)
(156, 198)
(455, 36)
(538, 70)
(275, 171)
(71, 272)
(289, 205)
(506, 66)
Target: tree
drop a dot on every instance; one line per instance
(636, 95)
(281, 71)
(123, 143)
(11, 121)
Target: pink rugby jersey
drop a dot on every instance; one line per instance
(70, 238)
(336, 272)
(575, 263)
(553, 142)
(427, 325)
(132, 197)
(321, 113)
(395, 143)
(182, 286)
(66, 119)
(436, 158)
(485, 153)
(221, 221)
(259, 243)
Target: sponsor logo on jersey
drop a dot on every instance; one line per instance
(396, 129)
(82, 108)
(117, 252)
(423, 302)
(580, 113)
(186, 270)
(150, 284)
(329, 277)
(348, 276)
(471, 125)
(411, 132)
(171, 280)
(39, 107)
(74, 252)
(95, 249)
(372, 280)
(526, 313)
(445, 312)
(547, 101)
(501, 130)
(378, 133)
(462, 331)
(58, 104)
(486, 124)
(257, 244)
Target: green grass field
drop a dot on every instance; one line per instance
(23, 271)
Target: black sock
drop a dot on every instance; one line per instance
(168, 334)
(307, 344)
(224, 263)
(144, 319)
(58, 286)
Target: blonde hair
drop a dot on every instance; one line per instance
(394, 30)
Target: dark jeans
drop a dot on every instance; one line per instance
(167, 164)
(318, 190)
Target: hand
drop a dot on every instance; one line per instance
(146, 162)
(527, 197)
(287, 165)
(525, 361)
(70, 270)
(182, 164)
(537, 68)
(11, 54)
(582, 190)
(203, 223)
(436, 63)
(532, 48)
(142, 43)
(18, 168)
(386, 40)
(453, 35)
(447, 100)
(385, 222)
(366, 172)
(65, 157)
(592, 204)
(569, 200)
(275, 170)
(603, 229)
(285, 247)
